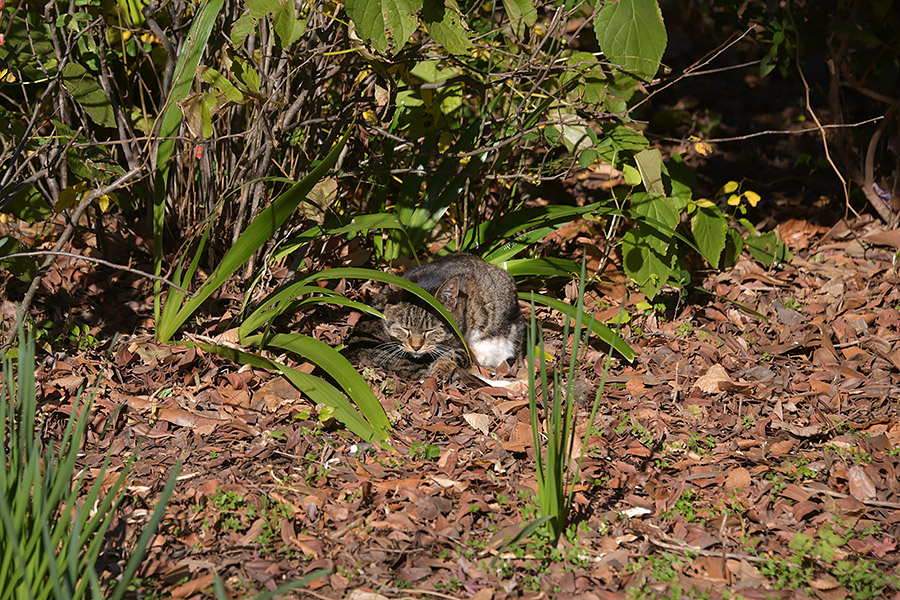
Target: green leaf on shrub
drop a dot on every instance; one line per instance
(375, 20)
(658, 210)
(242, 28)
(643, 262)
(632, 35)
(649, 163)
(681, 180)
(710, 228)
(86, 91)
(767, 248)
(23, 267)
(29, 205)
(287, 26)
(443, 21)
(521, 14)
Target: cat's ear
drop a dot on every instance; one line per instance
(448, 293)
(389, 294)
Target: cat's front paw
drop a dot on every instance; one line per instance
(442, 369)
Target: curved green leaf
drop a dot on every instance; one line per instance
(551, 267)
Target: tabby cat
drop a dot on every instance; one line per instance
(414, 342)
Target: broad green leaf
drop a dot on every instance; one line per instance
(600, 330)
(263, 226)
(242, 28)
(767, 248)
(521, 14)
(632, 175)
(376, 20)
(709, 228)
(649, 163)
(23, 267)
(444, 22)
(261, 8)
(682, 181)
(86, 91)
(401, 20)
(659, 210)
(632, 35)
(287, 26)
(643, 261)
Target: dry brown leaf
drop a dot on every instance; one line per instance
(714, 381)
(885, 238)
(738, 478)
(479, 421)
(861, 486)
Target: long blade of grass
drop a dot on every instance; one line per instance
(600, 330)
(357, 224)
(548, 267)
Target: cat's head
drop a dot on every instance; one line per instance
(415, 330)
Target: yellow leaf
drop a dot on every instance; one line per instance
(704, 203)
(369, 116)
(7, 76)
(105, 200)
(734, 200)
(445, 141)
(4, 218)
(69, 196)
(752, 197)
(728, 188)
(548, 358)
(702, 148)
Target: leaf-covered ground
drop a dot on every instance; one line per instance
(739, 454)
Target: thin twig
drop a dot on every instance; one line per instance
(844, 185)
(99, 261)
(740, 138)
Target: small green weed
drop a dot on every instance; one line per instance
(686, 506)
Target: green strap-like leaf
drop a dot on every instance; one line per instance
(185, 70)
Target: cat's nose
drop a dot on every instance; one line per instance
(416, 342)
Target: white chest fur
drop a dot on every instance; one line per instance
(492, 351)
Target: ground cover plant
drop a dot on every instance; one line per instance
(226, 184)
